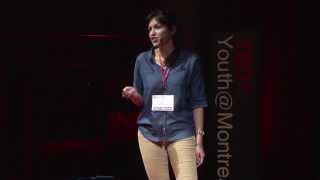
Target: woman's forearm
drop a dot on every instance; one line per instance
(198, 117)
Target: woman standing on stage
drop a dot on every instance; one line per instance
(168, 86)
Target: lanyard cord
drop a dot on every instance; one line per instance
(164, 76)
(164, 72)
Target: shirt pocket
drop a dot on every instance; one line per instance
(178, 78)
(151, 79)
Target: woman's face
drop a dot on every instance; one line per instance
(159, 34)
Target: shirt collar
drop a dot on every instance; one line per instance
(177, 53)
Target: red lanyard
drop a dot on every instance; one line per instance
(164, 76)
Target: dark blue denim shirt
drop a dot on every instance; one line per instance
(185, 82)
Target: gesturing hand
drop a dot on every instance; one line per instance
(131, 93)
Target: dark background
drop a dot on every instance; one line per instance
(61, 113)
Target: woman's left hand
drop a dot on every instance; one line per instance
(200, 154)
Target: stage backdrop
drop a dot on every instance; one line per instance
(233, 97)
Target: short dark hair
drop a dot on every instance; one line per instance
(168, 19)
(164, 17)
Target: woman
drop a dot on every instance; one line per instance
(168, 86)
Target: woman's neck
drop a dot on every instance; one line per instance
(163, 52)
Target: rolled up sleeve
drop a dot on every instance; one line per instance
(137, 81)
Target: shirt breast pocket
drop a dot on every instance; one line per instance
(149, 78)
(178, 78)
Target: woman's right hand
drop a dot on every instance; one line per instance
(131, 93)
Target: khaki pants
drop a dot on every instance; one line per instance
(181, 154)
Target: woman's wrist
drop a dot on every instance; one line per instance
(200, 132)
(136, 99)
(199, 145)
(199, 137)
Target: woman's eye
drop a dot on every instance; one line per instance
(157, 26)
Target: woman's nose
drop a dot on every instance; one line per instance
(152, 32)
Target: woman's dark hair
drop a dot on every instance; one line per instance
(168, 19)
(164, 17)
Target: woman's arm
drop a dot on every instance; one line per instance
(198, 116)
(134, 93)
(199, 125)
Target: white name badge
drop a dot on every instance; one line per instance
(162, 103)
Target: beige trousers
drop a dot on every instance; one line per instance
(181, 154)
